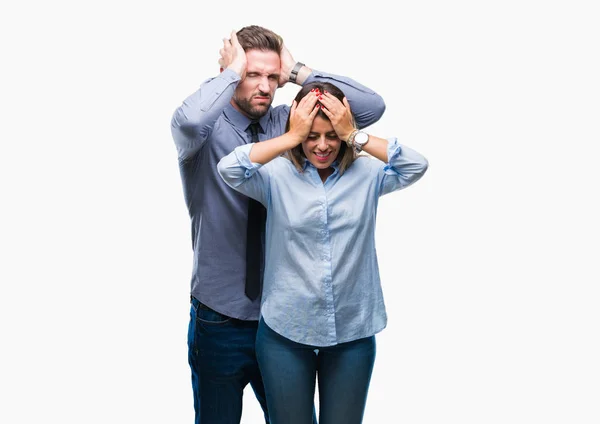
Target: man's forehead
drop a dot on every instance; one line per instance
(263, 62)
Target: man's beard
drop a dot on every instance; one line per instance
(252, 111)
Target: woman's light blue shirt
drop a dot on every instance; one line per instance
(321, 283)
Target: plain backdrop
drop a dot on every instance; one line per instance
(489, 264)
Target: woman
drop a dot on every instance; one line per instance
(321, 291)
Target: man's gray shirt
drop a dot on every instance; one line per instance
(205, 128)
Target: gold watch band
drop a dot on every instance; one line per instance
(350, 141)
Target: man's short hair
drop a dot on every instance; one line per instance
(254, 37)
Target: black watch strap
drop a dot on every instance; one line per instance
(295, 70)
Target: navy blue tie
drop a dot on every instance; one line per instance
(257, 215)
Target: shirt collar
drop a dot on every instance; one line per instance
(335, 165)
(241, 121)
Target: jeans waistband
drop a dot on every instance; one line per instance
(199, 304)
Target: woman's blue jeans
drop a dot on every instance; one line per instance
(289, 370)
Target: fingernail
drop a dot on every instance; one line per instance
(312, 90)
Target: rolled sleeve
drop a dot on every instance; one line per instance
(242, 154)
(405, 166)
(243, 175)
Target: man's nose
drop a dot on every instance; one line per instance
(264, 86)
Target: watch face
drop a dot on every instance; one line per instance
(361, 138)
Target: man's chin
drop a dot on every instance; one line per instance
(259, 110)
(251, 109)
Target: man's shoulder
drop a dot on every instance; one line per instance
(280, 110)
(282, 106)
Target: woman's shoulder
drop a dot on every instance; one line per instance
(365, 162)
(281, 164)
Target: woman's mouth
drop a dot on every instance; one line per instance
(322, 157)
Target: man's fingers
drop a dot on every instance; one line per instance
(234, 40)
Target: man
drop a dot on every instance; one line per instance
(229, 110)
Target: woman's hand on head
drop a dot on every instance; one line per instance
(302, 115)
(339, 114)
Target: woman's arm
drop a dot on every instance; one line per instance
(243, 175)
(243, 169)
(401, 166)
(301, 118)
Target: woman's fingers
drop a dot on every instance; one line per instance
(332, 103)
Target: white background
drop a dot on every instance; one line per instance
(489, 263)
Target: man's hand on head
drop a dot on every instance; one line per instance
(287, 64)
(233, 56)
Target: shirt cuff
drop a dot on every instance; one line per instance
(229, 75)
(312, 76)
(394, 150)
(242, 153)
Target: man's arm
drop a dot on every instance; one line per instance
(368, 107)
(193, 121)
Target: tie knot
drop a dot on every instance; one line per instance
(254, 128)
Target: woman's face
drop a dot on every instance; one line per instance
(322, 145)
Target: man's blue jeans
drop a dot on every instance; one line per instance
(289, 370)
(223, 361)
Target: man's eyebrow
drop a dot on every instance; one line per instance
(263, 73)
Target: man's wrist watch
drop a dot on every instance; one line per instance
(294, 72)
(359, 140)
